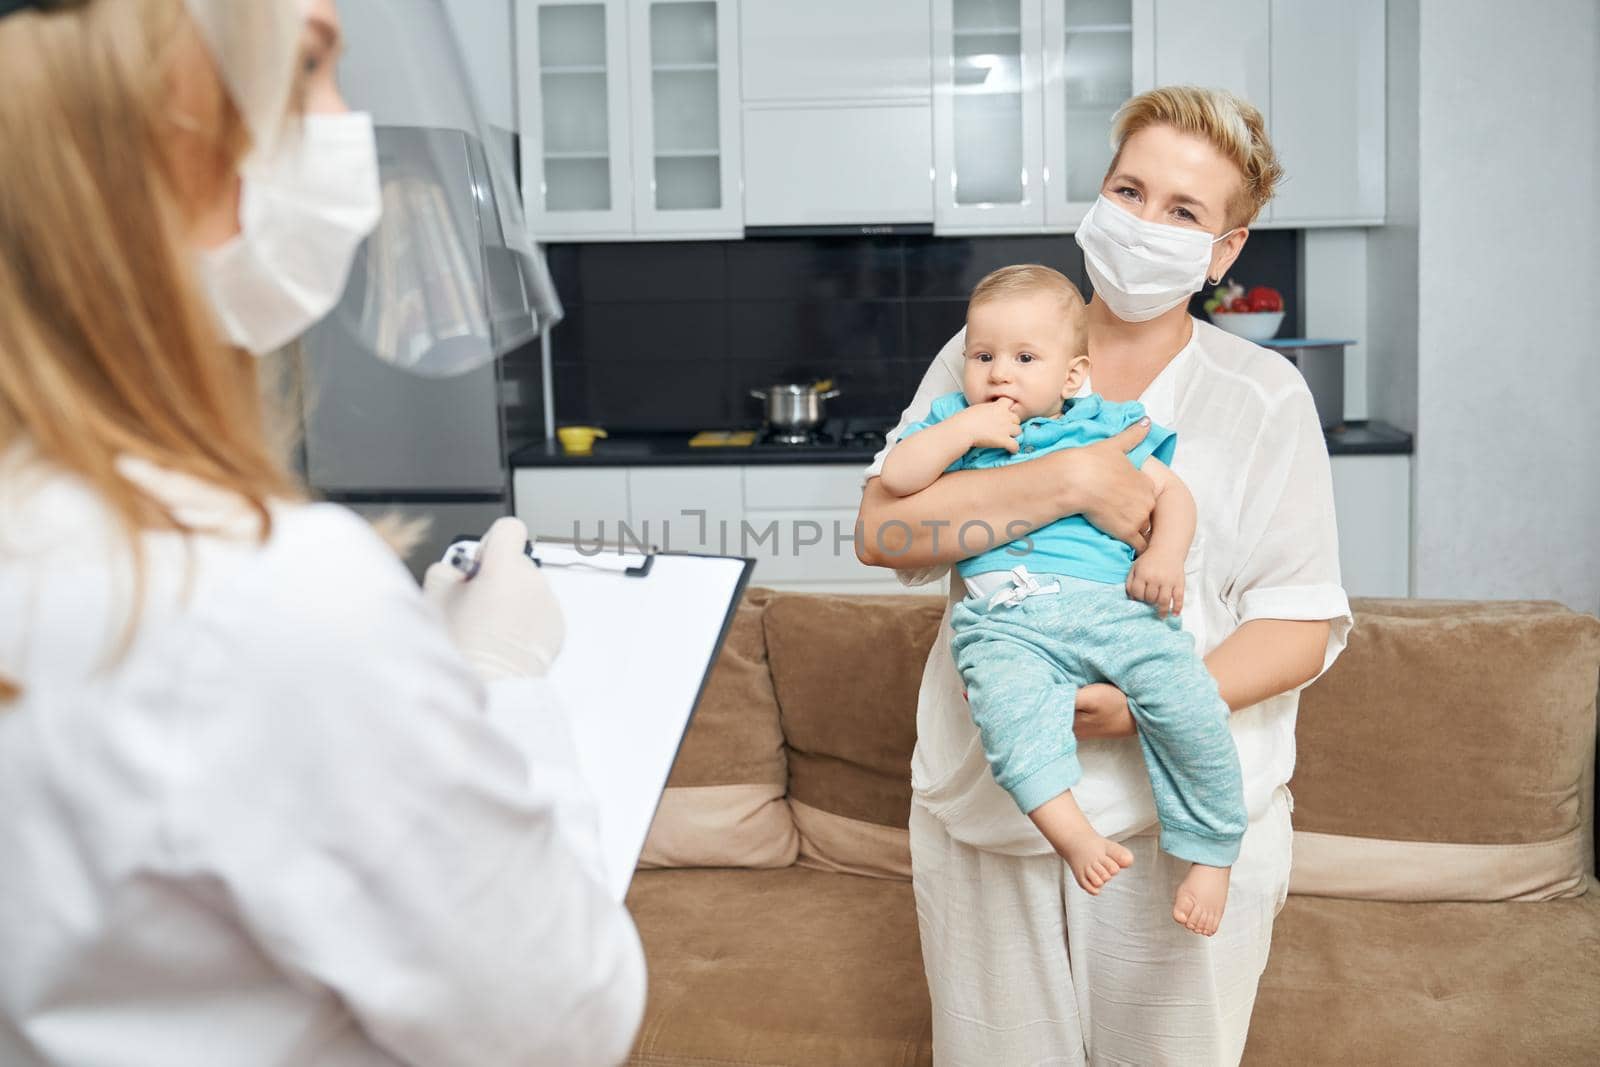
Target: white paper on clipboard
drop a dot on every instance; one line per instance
(637, 651)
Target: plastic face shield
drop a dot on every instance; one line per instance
(450, 279)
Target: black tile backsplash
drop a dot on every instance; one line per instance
(673, 335)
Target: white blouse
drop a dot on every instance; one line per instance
(1251, 449)
(279, 827)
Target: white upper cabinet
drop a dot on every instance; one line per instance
(572, 75)
(1219, 44)
(1024, 93)
(838, 118)
(806, 51)
(1327, 122)
(686, 147)
(1316, 72)
(1097, 53)
(629, 118)
(988, 128)
(672, 119)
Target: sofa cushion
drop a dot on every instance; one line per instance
(724, 805)
(846, 670)
(1446, 984)
(1447, 755)
(780, 967)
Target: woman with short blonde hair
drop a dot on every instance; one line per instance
(1023, 965)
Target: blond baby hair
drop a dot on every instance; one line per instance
(1020, 279)
(1228, 123)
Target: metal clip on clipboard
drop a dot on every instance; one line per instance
(463, 556)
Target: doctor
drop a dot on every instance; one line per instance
(260, 806)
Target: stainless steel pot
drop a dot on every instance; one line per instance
(795, 408)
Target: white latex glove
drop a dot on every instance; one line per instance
(504, 619)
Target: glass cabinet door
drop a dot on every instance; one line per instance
(1098, 53)
(573, 85)
(988, 153)
(686, 115)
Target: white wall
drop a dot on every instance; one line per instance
(1507, 470)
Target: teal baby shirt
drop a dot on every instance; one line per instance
(1071, 545)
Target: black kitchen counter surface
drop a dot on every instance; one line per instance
(672, 450)
(1368, 437)
(1355, 438)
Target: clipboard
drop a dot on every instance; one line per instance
(643, 632)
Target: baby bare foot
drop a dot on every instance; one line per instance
(1094, 860)
(1201, 896)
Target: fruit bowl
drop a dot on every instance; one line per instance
(1251, 325)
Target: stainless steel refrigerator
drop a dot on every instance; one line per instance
(470, 284)
(384, 441)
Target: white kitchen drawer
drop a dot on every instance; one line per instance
(560, 503)
(769, 488)
(658, 498)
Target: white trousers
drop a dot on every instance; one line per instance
(1026, 968)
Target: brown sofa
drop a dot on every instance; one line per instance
(1443, 908)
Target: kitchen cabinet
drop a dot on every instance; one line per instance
(1024, 93)
(686, 135)
(629, 118)
(844, 50)
(572, 83)
(1097, 54)
(1316, 72)
(571, 504)
(1372, 498)
(838, 165)
(1328, 119)
(988, 124)
(798, 520)
(687, 509)
(837, 112)
(1220, 44)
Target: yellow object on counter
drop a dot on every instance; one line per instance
(578, 440)
(723, 439)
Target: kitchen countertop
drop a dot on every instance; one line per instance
(672, 450)
(1355, 438)
(1368, 437)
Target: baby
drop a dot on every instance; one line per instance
(1068, 605)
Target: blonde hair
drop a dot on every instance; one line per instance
(1228, 123)
(1021, 279)
(106, 348)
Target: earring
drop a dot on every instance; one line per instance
(1213, 281)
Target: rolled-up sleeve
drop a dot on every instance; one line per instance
(1288, 563)
(943, 376)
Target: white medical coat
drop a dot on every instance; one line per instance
(279, 827)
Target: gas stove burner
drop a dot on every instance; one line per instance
(855, 435)
(791, 437)
(799, 438)
(866, 438)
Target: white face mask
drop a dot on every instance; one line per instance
(303, 213)
(1141, 269)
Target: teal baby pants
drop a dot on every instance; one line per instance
(1023, 664)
